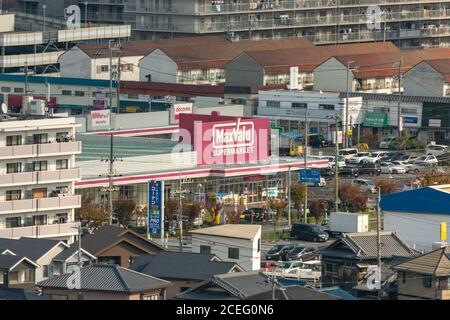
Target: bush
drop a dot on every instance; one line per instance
(352, 197)
(386, 186)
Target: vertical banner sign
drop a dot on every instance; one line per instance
(155, 223)
(443, 231)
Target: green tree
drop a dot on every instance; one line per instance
(298, 194)
(124, 209)
(278, 205)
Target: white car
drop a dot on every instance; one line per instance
(426, 160)
(322, 183)
(386, 142)
(308, 270)
(374, 157)
(365, 185)
(393, 167)
(436, 149)
(348, 153)
(357, 158)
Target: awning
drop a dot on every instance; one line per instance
(373, 119)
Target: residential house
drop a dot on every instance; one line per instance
(293, 293)
(425, 277)
(106, 282)
(238, 243)
(416, 215)
(66, 260)
(346, 261)
(184, 270)
(428, 78)
(115, 245)
(16, 271)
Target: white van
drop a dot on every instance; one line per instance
(436, 149)
(348, 153)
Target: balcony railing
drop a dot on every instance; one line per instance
(37, 177)
(41, 204)
(43, 231)
(40, 150)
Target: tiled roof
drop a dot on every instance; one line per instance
(182, 265)
(242, 231)
(112, 278)
(442, 66)
(31, 248)
(19, 294)
(394, 97)
(7, 261)
(436, 263)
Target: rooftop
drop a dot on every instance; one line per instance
(241, 231)
(110, 278)
(31, 248)
(435, 263)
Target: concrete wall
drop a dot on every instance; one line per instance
(236, 110)
(76, 64)
(419, 230)
(332, 76)
(413, 289)
(249, 257)
(423, 80)
(47, 260)
(160, 66)
(126, 75)
(141, 120)
(7, 23)
(244, 71)
(59, 294)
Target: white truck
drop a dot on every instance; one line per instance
(345, 222)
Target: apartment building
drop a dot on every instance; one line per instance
(37, 176)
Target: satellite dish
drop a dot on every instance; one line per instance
(4, 108)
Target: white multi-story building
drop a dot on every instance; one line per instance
(37, 177)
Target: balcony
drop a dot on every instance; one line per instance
(40, 177)
(40, 150)
(43, 231)
(38, 205)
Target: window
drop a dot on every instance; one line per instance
(403, 277)
(183, 289)
(40, 138)
(233, 253)
(19, 90)
(79, 93)
(48, 271)
(381, 109)
(150, 297)
(39, 165)
(273, 104)
(14, 167)
(103, 68)
(13, 140)
(62, 164)
(66, 92)
(259, 245)
(40, 220)
(13, 222)
(444, 283)
(12, 195)
(205, 249)
(427, 281)
(326, 107)
(409, 110)
(6, 89)
(299, 105)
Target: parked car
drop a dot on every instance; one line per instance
(375, 156)
(259, 214)
(327, 173)
(408, 158)
(386, 143)
(305, 270)
(318, 141)
(348, 171)
(348, 153)
(279, 252)
(365, 184)
(302, 253)
(443, 157)
(370, 168)
(427, 159)
(436, 149)
(393, 167)
(322, 183)
(357, 158)
(308, 232)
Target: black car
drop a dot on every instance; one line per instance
(318, 141)
(372, 169)
(348, 171)
(279, 252)
(302, 253)
(308, 232)
(327, 173)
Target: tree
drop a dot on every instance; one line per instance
(298, 194)
(141, 213)
(124, 209)
(233, 214)
(386, 186)
(317, 209)
(90, 212)
(170, 209)
(278, 205)
(191, 210)
(352, 197)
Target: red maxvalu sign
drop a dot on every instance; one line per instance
(219, 140)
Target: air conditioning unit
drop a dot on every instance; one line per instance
(37, 107)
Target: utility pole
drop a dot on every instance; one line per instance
(110, 84)
(346, 103)
(119, 72)
(379, 243)
(400, 64)
(180, 215)
(27, 90)
(306, 163)
(336, 118)
(289, 196)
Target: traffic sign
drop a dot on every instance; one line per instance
(309, 176)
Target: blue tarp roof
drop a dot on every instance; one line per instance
(338, 292)
(425, 200)
(292, 135)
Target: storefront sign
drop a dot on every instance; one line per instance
(100, 119)
(435, 123)
(378, 120)
(155, 223)
(180, 108)
(410, 120)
